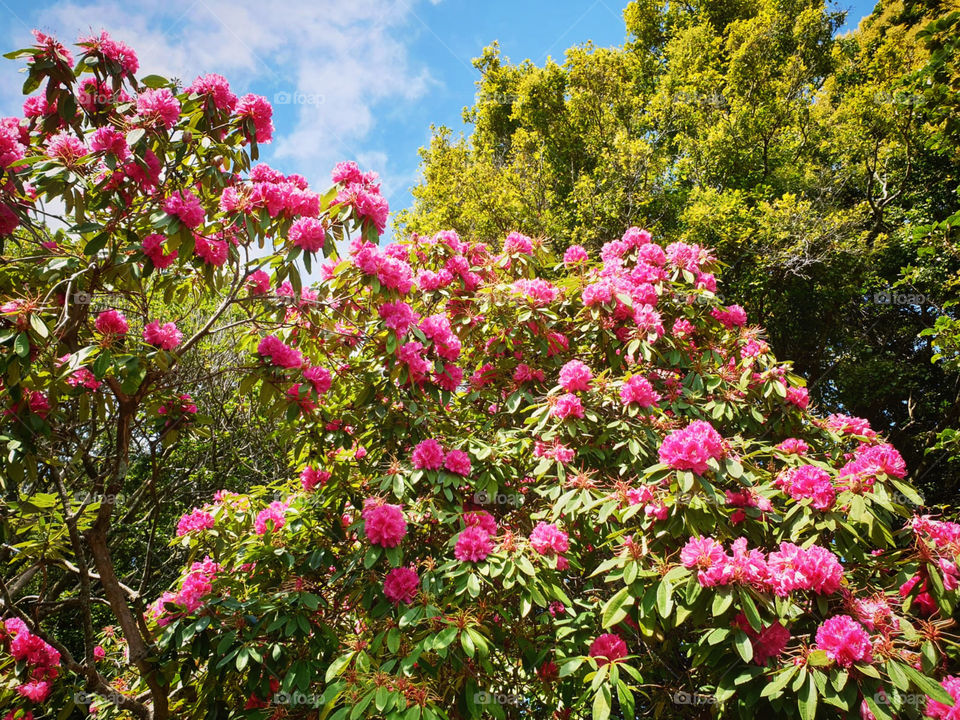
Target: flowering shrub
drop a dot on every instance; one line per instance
(512, 471)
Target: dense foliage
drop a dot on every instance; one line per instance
(823, 170)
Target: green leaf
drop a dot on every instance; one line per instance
(154, 81)
(807, 700)
(601, 704)
(928, 685)
(338, 666)
(773, 689)
(615, 609)
(743, 645)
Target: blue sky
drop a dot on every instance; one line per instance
(363, 79)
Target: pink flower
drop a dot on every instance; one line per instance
(115, 51)
(194, 521)
(428, 455)
(809, 481)
(319, 377)
(793, 446)
(794, 568)
(481, 519)
(768, 643)
(401, 585)
(691, 447)
(608, 648)
(568, 405)
(730, 317)
(164, 336)
(153, 249)
(847, 425)
(575, 376)
(110, 140)
(457, 461)
(548, 539)
(259, 282)
(798, 396)
(517, 243)
(36, 691)
(111, 322)
(280, 354)
(310, 478)
(398, 316)
(597, 294)
(257, 109)
(940, 711)
(275, 514)
(637, 389)
(307, 233)
(158, 107)
(185, 206)
(703, 553)
(216, 88)
(384, 525)
(538, 292)
(473, 545)
(99, 653)
(574, 255)
(845, 641)
(66, 148)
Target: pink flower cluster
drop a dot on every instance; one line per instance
(271, 190)
(869, 461)
(430, 455)
(538, 292)
(547, 539)
(391, 272)
(940, 711)
(575, 377)
(41, 660)
(111, 322)
(275, 514)
(398, 316)
(158, 107)
(362, 192)
(66, 148)
(608, 648)
(186, 207)
(311, 477)
(307, 233)
(280, 354)
(787, 570)
(258, 110)
(517, 244)
(384, 524)
(793, 446)
(197, 520)
(401, 585)
(730, 317)
(568, 405)
(473, 544)
(808, 482)
(845, 641)
(768, 643)
(153, 249)
(165, 336)
(196, 586)
(847, 425)
(113, 50)
(215, 88)
(575, 255)
(637, 389)
(690, 448)
(555, 451)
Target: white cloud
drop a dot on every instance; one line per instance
(340, 64)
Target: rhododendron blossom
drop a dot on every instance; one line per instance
(845, 641)
(401, 585)
(692, 447)
(384, 525)
(608, 648)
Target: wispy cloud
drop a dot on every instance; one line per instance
(331, 68)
